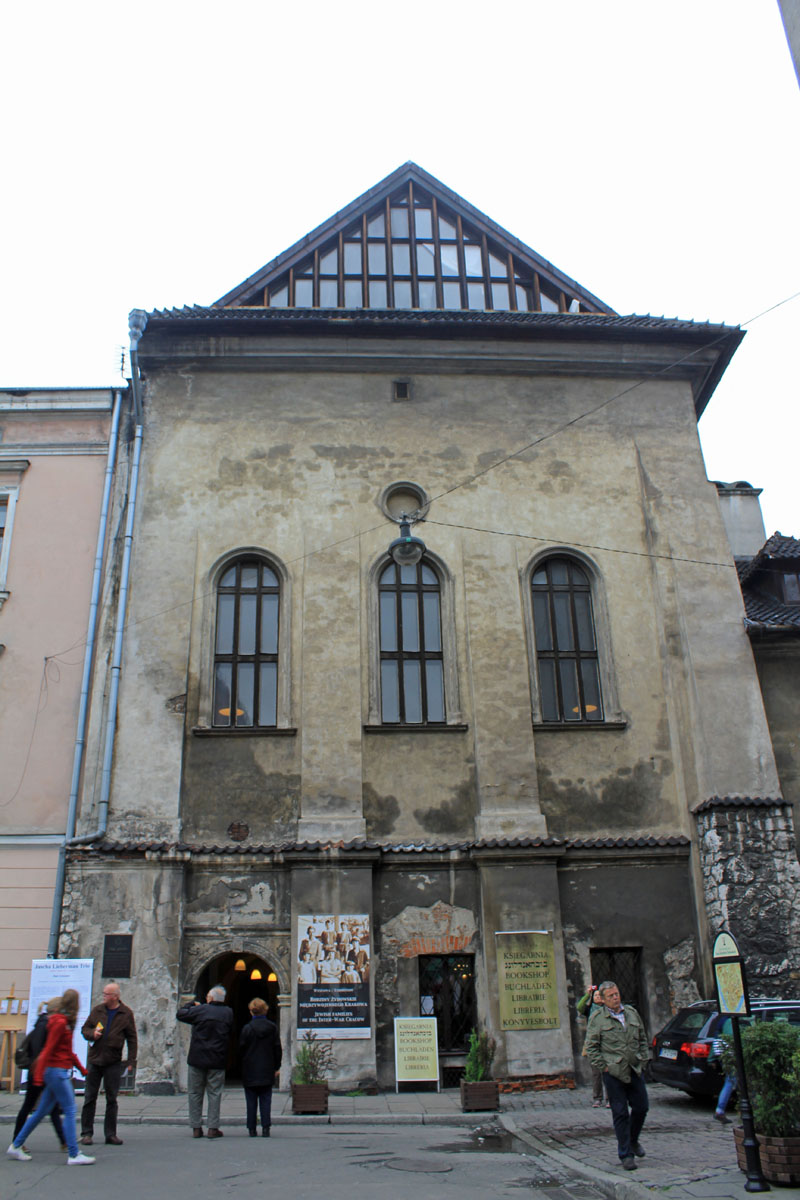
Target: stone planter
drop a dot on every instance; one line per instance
(479, 1097)
(780, 1156)
(310, 1098)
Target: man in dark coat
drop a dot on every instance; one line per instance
(261, 1059)
(109, 1027)
(211, 1023)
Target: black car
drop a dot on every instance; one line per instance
(682, 1052)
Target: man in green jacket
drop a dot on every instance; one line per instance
(617, 1045)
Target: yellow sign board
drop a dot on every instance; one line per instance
(526, 980)
(416, 1049)
(730, 987)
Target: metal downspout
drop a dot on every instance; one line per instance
(83, 710)
(136, 325)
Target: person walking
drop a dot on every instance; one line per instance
(53, 1069)
(38, 1036)
(587, 1006)
(261, 1058)
(211, 1023)
(616, 1043)
(109, 1027)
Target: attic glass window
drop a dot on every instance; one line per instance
(412, 252)
(791, 588)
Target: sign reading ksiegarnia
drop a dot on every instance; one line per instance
(51, 977)
(526, 980)
(416, 1049)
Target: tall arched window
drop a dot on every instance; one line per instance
(566, 642)
(246, 646)
(411, 658)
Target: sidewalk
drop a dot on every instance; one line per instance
(689, 1155)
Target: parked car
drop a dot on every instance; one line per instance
(682, 1051)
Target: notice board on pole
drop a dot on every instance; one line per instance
(416, 1051)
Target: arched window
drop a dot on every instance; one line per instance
(246, 646)
(566, 642)
(412, 685)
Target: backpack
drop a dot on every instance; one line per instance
(23, 1055)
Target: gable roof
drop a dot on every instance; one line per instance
(412, 243)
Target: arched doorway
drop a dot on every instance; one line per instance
(244, 976)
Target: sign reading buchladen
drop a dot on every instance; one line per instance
(526, 980)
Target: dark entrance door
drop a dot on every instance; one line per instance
(235, 972)
(624, 966)
(447, 992)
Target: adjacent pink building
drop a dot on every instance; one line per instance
(54, 458)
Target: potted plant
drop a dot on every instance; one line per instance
(771, 1051)
(309, 1075)
(478, 1091)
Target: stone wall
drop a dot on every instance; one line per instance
(751, 879)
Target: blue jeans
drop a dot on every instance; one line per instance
(622, 1096)
(725, 1095)
(57, 1090)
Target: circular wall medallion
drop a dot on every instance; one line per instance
(404, 498)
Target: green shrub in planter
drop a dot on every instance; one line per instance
(314, 1060)
(482, 1049)
(771, 1052)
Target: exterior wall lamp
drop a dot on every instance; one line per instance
(406, 550)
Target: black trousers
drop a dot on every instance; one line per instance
(258, 1098)
(110, 1076)
(629, 1105)
(32, 1094)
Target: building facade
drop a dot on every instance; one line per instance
(433, 637)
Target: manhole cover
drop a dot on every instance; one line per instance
(427, 1165)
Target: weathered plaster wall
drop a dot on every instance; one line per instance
(778, 665)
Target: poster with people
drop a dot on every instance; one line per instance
(333, 963)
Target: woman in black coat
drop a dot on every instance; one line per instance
(260, 1047)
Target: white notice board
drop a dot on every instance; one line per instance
(51, 977)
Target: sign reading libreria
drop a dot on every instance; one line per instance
(526, 979)
(333, 963)
(416, 1050)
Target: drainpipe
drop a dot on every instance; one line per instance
(83, 710)
(137, 322)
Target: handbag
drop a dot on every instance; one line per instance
(23, 1055)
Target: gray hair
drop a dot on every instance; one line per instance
(217, 993)
(605, 985)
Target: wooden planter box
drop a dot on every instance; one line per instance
(479, 1097)
(309, 1098)
(780, 1157)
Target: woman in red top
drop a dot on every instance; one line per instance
(53, 1068)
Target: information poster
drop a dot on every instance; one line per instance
(416, 1050)
(333, 965)
(526, 979)
(51, 977)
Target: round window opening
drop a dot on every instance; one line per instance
(404, 499)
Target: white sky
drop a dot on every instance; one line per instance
(155, 154)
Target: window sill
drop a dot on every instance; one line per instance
(249, 731)
(581, 726)
(416, 728)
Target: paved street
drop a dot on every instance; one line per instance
(548, 1145)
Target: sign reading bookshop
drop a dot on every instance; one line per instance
(526, 979)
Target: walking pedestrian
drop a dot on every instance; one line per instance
(616, 1044)
(38, 1036)
(587, 1006)
(728, 1087)
(53, 1069)
(211, 1023)
(261, 1058)
(109, 1027)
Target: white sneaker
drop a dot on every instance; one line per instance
(18, 1152)
(80, 1160)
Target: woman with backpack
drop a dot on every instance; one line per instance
(53, 1068)
(34, 1043)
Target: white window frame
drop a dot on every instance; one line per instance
(10, 494)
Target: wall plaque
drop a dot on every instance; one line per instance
(117, 953)
(526, 980)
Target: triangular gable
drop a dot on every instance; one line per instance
(411, 243)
